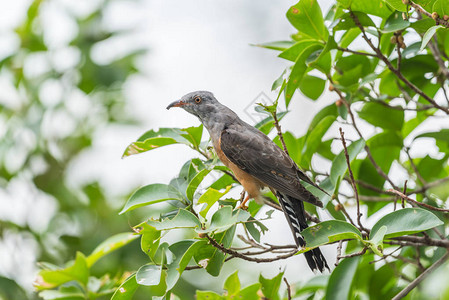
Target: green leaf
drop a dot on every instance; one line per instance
(441, 135)
(232, 284)
(210, 197)
(428, 35)
(174, 270)
(193, 135)
(270, 287)
(340, 281)
(298, 71)
(150, 239)
(127, 289)
(397, 4)
(76, 294)
(250, 292)
(376, 243)
(312, 86)
(216, 260)
(377, 8)
(184, 219)
(395, 22)
(147, 145)
(327, 232)
(266, 125)
(208, 295)
(314, 138)
(406, 221)
(294, 51)
(149, 275)
(109, 245)
(339, 165)
(150, 194)
(279, 82)
(195, 182)
(154, 139)
(189, 254)
(307, 18)
(441, 7)
(382, 116)
(225, 218)
(347, 22)
(77, 270)
(279, 46)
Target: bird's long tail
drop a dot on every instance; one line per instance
(295, 214)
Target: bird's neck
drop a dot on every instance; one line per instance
(220, 120)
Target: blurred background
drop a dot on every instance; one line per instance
(80, 80)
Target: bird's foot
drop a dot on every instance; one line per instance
(243, 204)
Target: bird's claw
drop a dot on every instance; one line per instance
(242, 206)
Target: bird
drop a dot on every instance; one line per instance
(256, 162)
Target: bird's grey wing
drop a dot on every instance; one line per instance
(256, 154)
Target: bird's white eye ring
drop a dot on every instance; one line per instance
(197, 99)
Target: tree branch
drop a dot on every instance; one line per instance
(408, 199)
(421, 277)
(392, 68)
(351, 175)
(438, 20)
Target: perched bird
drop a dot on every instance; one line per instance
(256, 162)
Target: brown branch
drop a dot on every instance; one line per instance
(429, 186)
(367, 149)
(289, 292)
(351, 175)
(419, 8)
(278, 128)
(343, 210)
(408, 199)
(398, 74)
(340, 245)
(363, 251)
(415, 169)
(421, 277)
(356, 52)
(236, 254)
(437, 56)
(421, 241)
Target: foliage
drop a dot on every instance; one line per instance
(55, 98)
(386, 64)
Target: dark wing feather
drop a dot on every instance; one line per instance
(256, 154)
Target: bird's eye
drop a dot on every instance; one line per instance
(197, 99)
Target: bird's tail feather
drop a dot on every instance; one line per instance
(295, 214)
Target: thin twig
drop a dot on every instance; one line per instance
(343, 210)
(437, 56)
(408, 199)
(340, 245)
(415, 169)
(438, 20)
(289, 292)
(363, 251)
(356, 52)
(351, 175)
(398, 74)
(367, 149)
(421, 277)
(279, 131)
(404, 191)
(429, 186)
(249, 258)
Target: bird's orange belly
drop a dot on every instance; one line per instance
(251, 184)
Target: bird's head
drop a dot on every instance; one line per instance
(200, 103)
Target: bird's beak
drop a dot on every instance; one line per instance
(178, 103)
